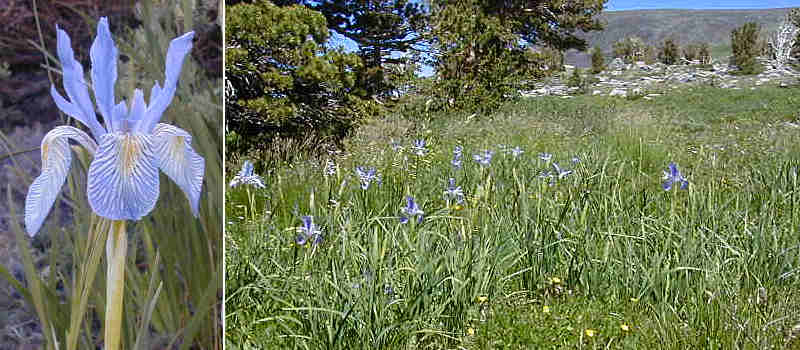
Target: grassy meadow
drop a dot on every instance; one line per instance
(601, 257)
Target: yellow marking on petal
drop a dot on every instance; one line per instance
(129, 153)
(45, 151)
(177, 149)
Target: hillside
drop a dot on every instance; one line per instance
(654, 26)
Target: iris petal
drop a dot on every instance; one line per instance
(74, 84)
(104, 71)
(123, 177)
(56, 159)
(177, 51)
(180, 162)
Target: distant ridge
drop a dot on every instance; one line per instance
(686, 26)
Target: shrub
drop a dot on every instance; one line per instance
(746, 47)
(668, 54)
(633, 49)
(598, 61)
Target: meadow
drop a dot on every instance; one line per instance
(565, 237)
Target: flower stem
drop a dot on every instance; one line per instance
(116, 249)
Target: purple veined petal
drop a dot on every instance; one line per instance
(104, 72)
(138, 108)
(177, 51)
(667, 185)
(176, 158)
(673, 170)
(123, 177)
(403, 219)
(308, 225)
(120, 111)
(82, 108)
(56, 161)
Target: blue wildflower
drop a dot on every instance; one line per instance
(457, 154)
(560, 173)
(396, 146)
(410, 210)
(246, 176)
(545, 156)
(672, 176)
(367, 176)
(454, 192)
(309, 232)
(330, 168)
(419, 147)
(129, 150)
(516, 151)
(484, 159)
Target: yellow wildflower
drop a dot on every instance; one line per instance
(482, 299)
(633, 300)
(545, 309)
(470, 331)
(625, 328)
(589, 332)
(555, 280)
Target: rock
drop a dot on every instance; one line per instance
(596, 92)
(616, 64)
(618, 92)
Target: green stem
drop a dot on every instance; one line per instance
(116, 249)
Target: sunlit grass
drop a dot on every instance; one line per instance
(603, 258)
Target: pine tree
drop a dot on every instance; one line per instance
(746, 47)
(381, 28)
(598, 61)
(280, 80)
(486, 48)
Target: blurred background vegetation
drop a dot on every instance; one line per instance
(175, 261)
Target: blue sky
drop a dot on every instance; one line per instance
(615, 5)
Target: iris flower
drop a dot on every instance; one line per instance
(419, 147)
(411, 209)
(516, 151)
(128, 149)
(247, 176)
(309, 232)
(561, 173)
(454, 192)
(673, 176)
(367, 175)
(484, 159)
(545, 156)
(457, 154)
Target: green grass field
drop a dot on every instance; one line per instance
(600, 258)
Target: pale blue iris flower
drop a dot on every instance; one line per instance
(247, 176)
(672, 176)
(545, 156)
(309, 232)
(410, 210)
(128, 150)
(457, 154)
(367, 175)
(419, 147)
(454, 192)
(484, 159)
(516, 152)
(560, 173)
